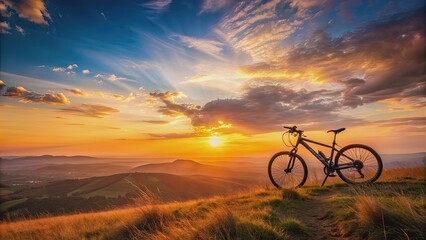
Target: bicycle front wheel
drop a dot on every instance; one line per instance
(286, 174)
(366, 164)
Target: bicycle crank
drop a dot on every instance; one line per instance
(328, 173)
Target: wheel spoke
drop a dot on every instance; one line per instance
(370, 164)
(278, 175)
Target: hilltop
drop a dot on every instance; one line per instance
(393, 208)
(190, 167)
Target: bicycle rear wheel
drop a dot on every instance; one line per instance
(367, 164)
(282, 176)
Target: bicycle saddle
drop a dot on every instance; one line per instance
(336, 131)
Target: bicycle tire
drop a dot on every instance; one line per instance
(280, 160)
(363, 153)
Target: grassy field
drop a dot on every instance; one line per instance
(394, 208)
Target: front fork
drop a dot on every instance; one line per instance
(292, 156)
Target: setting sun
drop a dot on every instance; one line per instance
(215, 141)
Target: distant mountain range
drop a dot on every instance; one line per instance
(404, 160)
(24, 171)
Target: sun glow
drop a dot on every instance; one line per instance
(215, 141)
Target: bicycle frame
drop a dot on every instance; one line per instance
(304, 141)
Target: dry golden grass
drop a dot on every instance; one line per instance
(397, 215)
(87, 225)
(384, 209)
(253, 215)
(404, 173)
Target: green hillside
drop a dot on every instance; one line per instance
(167, 186)
(119, 190)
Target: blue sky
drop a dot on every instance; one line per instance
(118, 53)
(98, 35)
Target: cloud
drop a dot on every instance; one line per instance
(3, 10)
(172, 108)
(26, 96)
(72, 66)
(4, 28)
(261, 108)
(114, 77)
(58, 69)
(32, 10)
(398, 122)
(213, 5)
(198, 78)
(91, 110)
(381, 60)
(156, 121)
(85, 71)
(103, 15)
(20, 29)
(210, 47)
(404, 125)
(157, 5)
(68, 70)
(111, 77)
(265, 108)
(258, 28)
(77, 92)
(2, 85)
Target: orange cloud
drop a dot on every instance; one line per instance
(172, 108)
(4, 28)
(77, 92)
(2, 85)
(27, 96)
(33, 10)
(378, 61)
(91, 110)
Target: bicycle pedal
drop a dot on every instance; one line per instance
(332, 175)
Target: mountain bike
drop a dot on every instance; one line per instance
(354, 164)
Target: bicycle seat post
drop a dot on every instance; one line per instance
(334, 139)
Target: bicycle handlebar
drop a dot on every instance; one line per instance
(293, 129)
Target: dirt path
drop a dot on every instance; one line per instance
(313, 217)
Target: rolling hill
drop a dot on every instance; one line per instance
(183, 167)
(81, 170)
(385, 210)
(190, 167)
(168, 187)
(119, 190)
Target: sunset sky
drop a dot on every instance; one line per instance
(178, 78)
